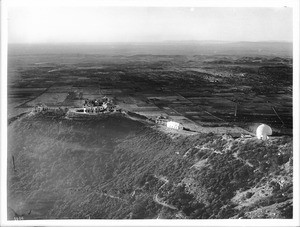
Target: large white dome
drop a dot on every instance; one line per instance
(263, 131)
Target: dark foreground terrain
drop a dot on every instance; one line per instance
(113, 167)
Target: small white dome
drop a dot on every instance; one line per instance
(263, 131)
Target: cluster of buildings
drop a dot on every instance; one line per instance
(89, 107)
(97, 105)
(40, 107)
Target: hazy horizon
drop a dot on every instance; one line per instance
(153, 42)
(38, 24)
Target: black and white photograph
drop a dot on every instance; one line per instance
(140, 113)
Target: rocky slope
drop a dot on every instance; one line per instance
(114, 167)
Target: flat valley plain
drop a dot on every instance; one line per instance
(213, 89)
(195, 89)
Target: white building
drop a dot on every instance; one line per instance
(263, 131)
(104, 105)
(174, 125)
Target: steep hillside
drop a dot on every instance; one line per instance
(114, 167)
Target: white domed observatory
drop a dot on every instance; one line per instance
(263, 131)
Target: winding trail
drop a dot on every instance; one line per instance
(162, 178)
(179, 214)
(155, 196)
(157, 200)
(242, 160)
(114, 197)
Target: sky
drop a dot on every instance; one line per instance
(67, 24)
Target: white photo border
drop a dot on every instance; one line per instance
(5, 4)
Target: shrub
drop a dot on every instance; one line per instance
(249, 195)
